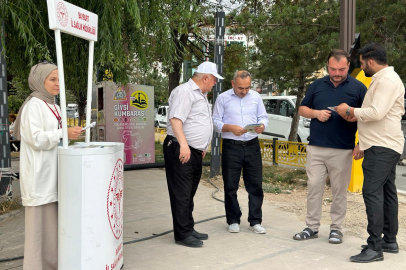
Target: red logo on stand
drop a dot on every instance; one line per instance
(62, 13)
(115, 200)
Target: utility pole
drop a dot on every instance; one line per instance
(218, 60)
(347, 24)
(5, 159)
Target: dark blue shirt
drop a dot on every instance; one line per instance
(336, 132)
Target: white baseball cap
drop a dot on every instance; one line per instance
(208, 68)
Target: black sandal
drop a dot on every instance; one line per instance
(305, 235)
(336, 237)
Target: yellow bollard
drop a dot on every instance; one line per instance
(357, 176)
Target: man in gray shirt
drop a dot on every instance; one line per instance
(189, 130)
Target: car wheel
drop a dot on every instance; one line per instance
(157, 124)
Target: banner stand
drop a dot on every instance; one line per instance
(90, 174)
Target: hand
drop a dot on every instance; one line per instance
(74, 132)
(356, 153)
(238, 131)
(184, 154)
(323, 115)
(260, 129)
(204, 154)
(350, 118)
(342, 109)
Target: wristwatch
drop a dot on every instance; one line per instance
(347, 112)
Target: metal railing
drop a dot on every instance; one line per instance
(287, 153)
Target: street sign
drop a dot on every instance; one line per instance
(72, 20)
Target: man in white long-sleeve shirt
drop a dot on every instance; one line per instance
(235, 109)
(381, 138)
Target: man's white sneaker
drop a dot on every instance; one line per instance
(234, 228)
(257, 228)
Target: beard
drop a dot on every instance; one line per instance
(368, 73)
(338, 78)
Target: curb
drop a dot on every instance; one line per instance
(401, 192)
(10, 214)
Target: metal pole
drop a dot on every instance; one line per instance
(218, 59)
(347, 24)
(89, 90)
(62, 94)
(5, 159)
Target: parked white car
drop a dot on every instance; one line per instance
(280, 111)
(72, 111)
(161, 116)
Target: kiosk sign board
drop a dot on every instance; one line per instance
(129, 118)
(72, 20)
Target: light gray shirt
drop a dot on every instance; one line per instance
(188, 104)
(233, 110)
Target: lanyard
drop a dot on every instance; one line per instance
(58, 117)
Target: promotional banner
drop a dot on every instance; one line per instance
(129, 118)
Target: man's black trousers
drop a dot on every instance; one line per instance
(237, 157)
(380, 195)
(182, 180)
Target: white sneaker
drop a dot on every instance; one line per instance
(234, 228)
(257, 228)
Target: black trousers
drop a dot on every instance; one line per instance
(183, 180)
(236, 157)
(380, 195)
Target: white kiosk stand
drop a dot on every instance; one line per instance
(90, 175)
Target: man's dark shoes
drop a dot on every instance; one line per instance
(200, 236)
(367, 255)
(190, 241)
(387, 247)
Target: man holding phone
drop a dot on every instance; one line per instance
(332, 143)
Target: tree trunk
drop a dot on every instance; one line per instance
(180, 43)
(300, 95)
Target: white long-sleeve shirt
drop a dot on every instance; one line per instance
(233, 110)
(40, 137)
(380, 114)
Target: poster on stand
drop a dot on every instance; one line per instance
(129, 118)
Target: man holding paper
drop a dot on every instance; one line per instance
(236, 111)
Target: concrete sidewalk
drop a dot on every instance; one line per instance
(147, 212)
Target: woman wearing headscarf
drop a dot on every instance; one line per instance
(39, 127)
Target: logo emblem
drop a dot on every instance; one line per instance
(115, 200)
(139, 100)
(120, 94)
(62, 13)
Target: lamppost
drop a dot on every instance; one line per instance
(218, 60)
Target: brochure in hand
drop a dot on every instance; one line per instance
(332, 108)
(251, 128)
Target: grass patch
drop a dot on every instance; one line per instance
(7, 206)
(277, 179)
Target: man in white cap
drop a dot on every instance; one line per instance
(189, 130)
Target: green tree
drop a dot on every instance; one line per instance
(128, 31)
(293, 39)
(384, 22)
